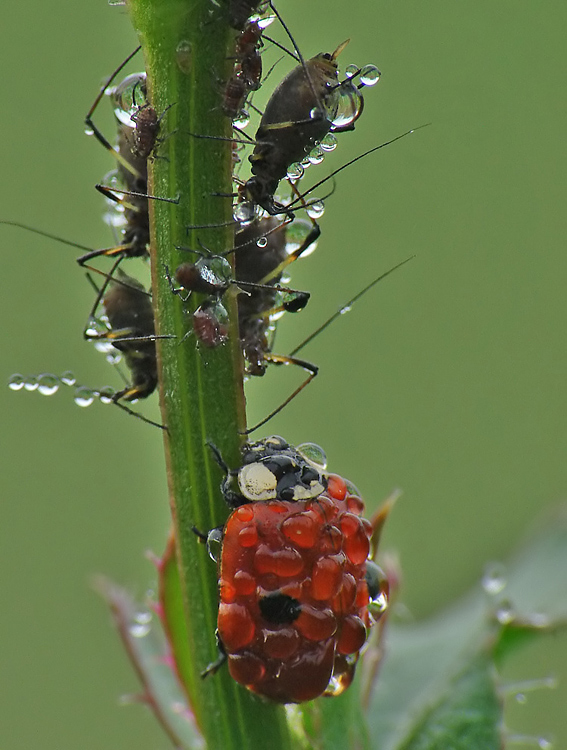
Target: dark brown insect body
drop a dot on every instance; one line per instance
(239, 11)
(130, 315)
(298, 115)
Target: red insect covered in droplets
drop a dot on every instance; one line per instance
(298, 593)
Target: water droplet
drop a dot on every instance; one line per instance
(105, 395)
(263, 23)
(505, 613)
(30, 383)
(521, 698)
(262, 242)
(89, 131)
(241, 120)
(143, 617)
(305, 163)
(351, 70)
(314, 454)
(369, 75)
(68, 378)
(117, 2)
(349, 105)
(103, 346)
(316, 209)
(295, 172)
(184, 56)
(494, 579)
(296, 233)
(345, 309)
(16, 382)
(128, 97)
(139, 630)
(214, 544)
(48, 384)
(329, 142)
(352, 488)
(113, 357)
(316, 155)
(84, 396)
(244, 212)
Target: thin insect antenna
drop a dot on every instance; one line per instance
(357, 158)
(47, 234)
(101, 188)
(108, 82)
(288, 32)
(346, 307)
(271, 70)
(280, 46)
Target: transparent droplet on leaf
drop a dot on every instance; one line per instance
(16, 382)
(184, 56)
(48, 384)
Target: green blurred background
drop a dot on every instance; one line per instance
(448, 381)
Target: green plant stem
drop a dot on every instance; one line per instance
(187, 48)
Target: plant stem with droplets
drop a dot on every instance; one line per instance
(187, 47)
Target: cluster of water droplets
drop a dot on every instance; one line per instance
(47, 384)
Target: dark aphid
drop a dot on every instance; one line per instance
(263, 264)
(247, 73)
(259, 295)
(299, 114)
(128, 308)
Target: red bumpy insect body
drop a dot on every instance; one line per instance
(294, 578)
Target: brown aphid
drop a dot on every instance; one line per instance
(131, 319)
(299, 114)
(247, 73)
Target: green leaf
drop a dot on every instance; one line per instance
(438, 685)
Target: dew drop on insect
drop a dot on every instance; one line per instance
(316, 209)
(349, 105)
(305, 163)
(113, 357)
(329, 142)
(296, 233)
(68, 378)
(241, 120)
(89, 131)
(493, 579)
(295, 172)
(105, 395)
(84, 396)
(351, 70)
(47, 384)
(30, 383)
(244, 213)
(214, 544)
(103, 346)
(316, 155)
(184, 56)
(128, 97)
(263, 23)
(314, 454)
(16, 382)
(369, 75)
(262, 242)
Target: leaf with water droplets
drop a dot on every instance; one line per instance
(438, 686)
(148, 651)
